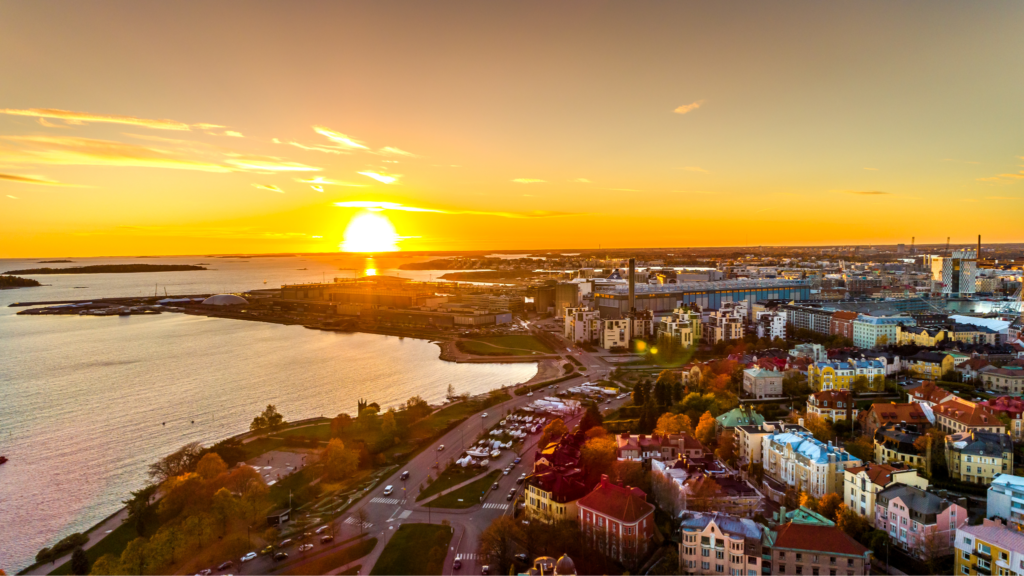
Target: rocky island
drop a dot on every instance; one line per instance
(109, 269)
(16, 282)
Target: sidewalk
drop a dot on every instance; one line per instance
(98, 533)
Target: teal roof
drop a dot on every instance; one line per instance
(741, 416)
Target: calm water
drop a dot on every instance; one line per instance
(84, 400)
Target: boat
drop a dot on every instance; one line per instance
(478, 453)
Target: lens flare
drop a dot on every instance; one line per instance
(370, 232)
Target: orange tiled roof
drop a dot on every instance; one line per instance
(967, 414)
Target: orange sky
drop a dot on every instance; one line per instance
(139, 128)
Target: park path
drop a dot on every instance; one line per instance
(99, 533)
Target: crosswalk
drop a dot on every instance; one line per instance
(391, 501)
(353, 521)
(465, 556)
(496, 506)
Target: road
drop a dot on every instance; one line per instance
(385, 513)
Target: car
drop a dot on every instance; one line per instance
(440, 448)
(494, 486)
(457, 564)
(268, 549)
(307, 536)
(388, 489)
(485, 570)
(505, 472)
(607, 401)
(280, 556)
(204, 572)
(510, 496)
(484, 415)
(225, 565)
(405, 475)
(305, 547)
(529, 393)
(521, 479)
(285, 542)
(326, 538)
(521, 557)
(322, 529)
(517, 460)
(249, 556)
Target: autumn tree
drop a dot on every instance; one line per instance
(180, 462)
(140, 510)
(338, 462)
(819, 427)
(597, 455)
(860, 384)
(254, 496)
(106, 565)
(497, 543)
(828, 505)
(852, 523)
(553, 431)
(706, 429)
(702, 499)
(388, 427)
(136, 557)
(591, 418)
(167, 543)
(595, 432)
(224, 507)
(670, 423)
(339, 424)
(726, 451)
(211, 466)
(270, 419)
(666, 494)
(861, 448)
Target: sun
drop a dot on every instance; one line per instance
(370, 232)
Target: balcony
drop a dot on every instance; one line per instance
(980, 570)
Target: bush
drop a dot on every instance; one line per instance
(66, 544)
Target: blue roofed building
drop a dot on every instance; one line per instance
(800, 461)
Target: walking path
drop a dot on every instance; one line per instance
(95, 535)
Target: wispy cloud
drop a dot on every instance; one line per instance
(689, 107)
(527, 180)
(68, 150)
(695, 169)
(12, 197)
(392, 151)
(317, 188)
(86, 117)
(1001, 198)
(327, 149)
(40, 180)
(321, 181)
(270, 165)
(865, 192)
(270, 187)
(385, 178)
(1002, 177)
(379, 206)
(581, 180)
(872, 169)
(339, 139)
(233, 134)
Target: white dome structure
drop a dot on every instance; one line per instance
(225, 300)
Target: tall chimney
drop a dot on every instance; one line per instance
(632, 286)
(978, 255)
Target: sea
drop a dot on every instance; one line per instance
(87, 402)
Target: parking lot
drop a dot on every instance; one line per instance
(277, 464)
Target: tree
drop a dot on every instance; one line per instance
(553, 431)
(106, 565)
(362, 516)
(79, 562)
(167, 542)
(387, 424)
(591, 418)
(703, 496)
(829, 504)
(819, 427)
(852, 523)
(666, 494)
(497, 543)
(726, 451)
(339, 424)
(270, 418)
(755, 471)
(595, 432)
(135, 557)
(140, 511)
(211, 466)
(597, 455)
(224, 507)
(254, 496)
(338, 462)
(670, 423)
(878, 383)
(860, 384)
(881, 340)
(640, 393)
(706, 429)
(451, 392)
(862, 448)
(180, 462)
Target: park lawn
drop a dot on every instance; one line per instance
(335, 559)
(407, 551)
(113, 543)
(512, 345)
(486, 349)
(469, 494)
(441, 420)
(450, 477)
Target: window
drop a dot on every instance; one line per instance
(966, 555)
(964, 569)
(705, 552)
(705, 566)
(984, 549)
(719, 555)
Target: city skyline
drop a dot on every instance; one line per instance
(195, 129)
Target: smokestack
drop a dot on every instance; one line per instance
(978, 255)
(632, 285)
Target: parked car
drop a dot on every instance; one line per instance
(521, 479)
(457, 564)
(285, 542)
(505, 472)
(494, 486)
(249, 556)
(485, 570)
(517, 460)
(204, 572)
(484, 415)
(225, 565)
(405, 475)
(280, 556)
(305, 547)
(326, 538)
(388, 489)
(268, 549)
(322, 529)
(440, 448)
(510, 496)
(529, 393)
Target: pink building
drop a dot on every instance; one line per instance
(618, 520)
(922, 523)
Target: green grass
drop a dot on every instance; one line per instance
(441, 420)
(504, 346)
(469, 494)
(113, 543)
(450, 477)
(408, 550)
(335, 559)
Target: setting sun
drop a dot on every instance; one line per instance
(370, 232)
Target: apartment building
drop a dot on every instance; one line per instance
(862, 483)
(815, 352)
(834, 405)
(843, 375)
(748, 439)
(1008, 380)
(812, 317)
(920, 336)
(871, 331)
(919, 522)
(618, 520)
(901, 444)
(957, 415)
(978, 457)
(641, 447)
(770, 325)
(930, 365)
(991, 548)
(724, 324)
(799, 460)
(716, 544)
(760, 383)
(928, 394)
(1006, 499)
(581, 325)
(882, 413)
(683, 326)
(842, 323)
(615, 333)
(809, 549)
(1012, 408)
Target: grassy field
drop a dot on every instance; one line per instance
(504, 346)
(469, 494)
(408, 550)
(335, 559)
(450, 477)
(113, 543)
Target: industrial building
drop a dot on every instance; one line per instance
(612, 301)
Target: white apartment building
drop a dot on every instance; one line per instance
(615, 333)
(799, 460)
(861, 483)
(871, 331)
(683, 326)
(771, 325)
(582, 324)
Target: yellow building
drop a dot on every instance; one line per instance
(920, 336)
(548, 505)
(842, 375)
(931, 365)
(861, 483)
(990, 549)
(978, 457)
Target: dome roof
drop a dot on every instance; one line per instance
(565, 565)
(225, 300)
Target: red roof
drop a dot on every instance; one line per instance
(968, 414)
(894, 412)
(625, 504)
(929, 392)
(880, 474)
(818, 539)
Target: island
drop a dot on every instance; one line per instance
(15, 282)
(54, 261)
(490, 275)
(109, 269)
